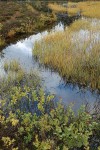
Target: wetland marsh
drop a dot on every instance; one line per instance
(50, 77)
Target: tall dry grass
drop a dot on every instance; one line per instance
(88, 9)
(56, 7)
(75, 54)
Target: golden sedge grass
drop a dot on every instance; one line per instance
(88, 9)
(75, 57)
(56, 7)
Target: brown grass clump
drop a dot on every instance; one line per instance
(88, 9)
(11, 33)
(56, 7)
(73, 11)
(80, 24)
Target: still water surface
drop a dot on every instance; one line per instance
(52, 82)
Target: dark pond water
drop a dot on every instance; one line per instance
(52, 82)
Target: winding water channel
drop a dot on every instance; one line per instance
(52, 82)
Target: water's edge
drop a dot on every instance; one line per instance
(52, 82)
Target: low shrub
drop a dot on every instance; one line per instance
(30, 119)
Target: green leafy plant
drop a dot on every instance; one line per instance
(29, 118)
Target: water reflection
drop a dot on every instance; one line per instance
(52, 82)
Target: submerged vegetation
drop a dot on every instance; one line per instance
(29, 119)
(74, 53)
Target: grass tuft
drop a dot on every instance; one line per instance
(57, 8)
(12, 66)
(88, 9)
(74, 54)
